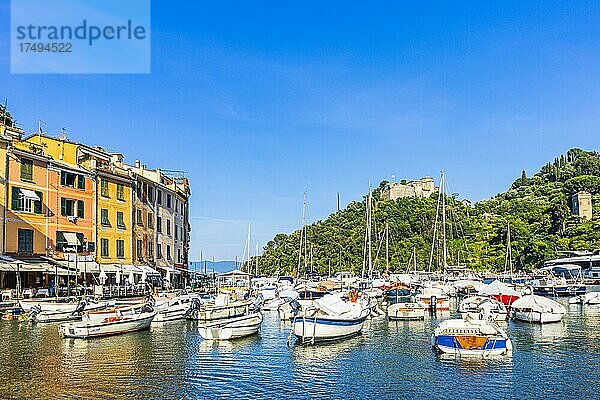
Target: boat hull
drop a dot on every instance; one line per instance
(471, 345)
(92, 329)
(326, 328)
(537, 317)
(234, 328)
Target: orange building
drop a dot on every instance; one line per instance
(27, 213)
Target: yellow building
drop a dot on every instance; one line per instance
(114, 210)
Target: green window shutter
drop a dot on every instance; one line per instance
(80, 211)
(15, 198)
(63, 178)
(63, 206)
(37, 205)
(80, 182)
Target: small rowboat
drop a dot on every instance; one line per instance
(232, 328)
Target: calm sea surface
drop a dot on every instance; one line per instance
(388, 361)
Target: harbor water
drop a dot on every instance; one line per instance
(389, 360)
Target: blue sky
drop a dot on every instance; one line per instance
(259, 100)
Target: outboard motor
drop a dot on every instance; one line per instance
(294, 304)
(150, 300)
(34, 311)
(258, 302)
(80, 307)
(194, 306)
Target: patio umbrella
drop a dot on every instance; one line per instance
(102, 276)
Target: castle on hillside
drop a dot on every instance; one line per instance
(423, 187)
(582, 205)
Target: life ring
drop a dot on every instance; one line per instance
(353, 296)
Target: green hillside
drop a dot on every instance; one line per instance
(538, 209)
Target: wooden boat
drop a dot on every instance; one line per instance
(406, 311)
(434, 298)
(329, 318)
(231, 328)
(537, 309)
(110, 322)
(470, 337)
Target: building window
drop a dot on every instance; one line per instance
(139, 247)
(104, 248)
(72, 208)
(25, 241)
(168, 227)
(158, 251)
(120, 220)
(150, 194)
(104, 217)
(179, 256)
(25, 200)
(69, 179)
(159, 224)
(120, 248)
(139, 217)
(150, 220)
(26, 169)
(150, 251)
(176, 232)
(120, 192)
(159, 196)
(169, 252)
(168, 200)
(104, 188)
(65, 241)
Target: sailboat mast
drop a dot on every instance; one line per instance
(443, 194)
(370, 230)
(305, 233)
(415, 258)
(256, 266)
(387, 247)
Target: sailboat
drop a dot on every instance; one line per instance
(432, 294)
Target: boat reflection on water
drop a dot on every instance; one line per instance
(324, 351)
(547, 334)
(228, 346)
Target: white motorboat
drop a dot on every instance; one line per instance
(72, 312)
(485, 307)
(222, 307)
(231, 328)
(176, 308)
(591, 298)
(470, 337)
(538, 309)
(406, 311)
(112, 322)
(329, 318)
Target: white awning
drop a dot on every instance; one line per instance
(29, 194)
(148, 270)
(71, 238)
